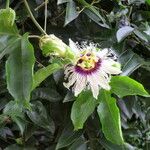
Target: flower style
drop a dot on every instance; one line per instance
(91, 69)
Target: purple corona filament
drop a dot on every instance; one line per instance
(82, 71)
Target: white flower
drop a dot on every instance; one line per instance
(91, 69)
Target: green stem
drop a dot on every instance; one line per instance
(39, 7)
(45, 22)
(34, 36)
(7, 3)
(33, 19)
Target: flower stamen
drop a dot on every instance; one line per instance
(87, 61)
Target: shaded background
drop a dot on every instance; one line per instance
(49, 126)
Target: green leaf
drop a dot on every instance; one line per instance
(110, 118)
(7, 25)
(43, 73)
(5, 131)
(124, 85)
(8, 44)
(140, 35)
(129, 62)
(40, 117)
(68, 136)
(148, 1)
(93, 14)
(123, 32)
(69, 97)
(82, 108)
(49, 94)
(111, 146)
(19, 70)
(9, 36)
(20, 123)
(95, 17)
(15, 111)
(7, 16)
(79, 144)
(71, 12)
(14, 147)
(4, 30)
(19, 147)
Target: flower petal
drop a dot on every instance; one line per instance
(80, 84)
(104, 82)
(103, 53)
(110, 66)
(92, 79)
(73, 47)
(71, 80)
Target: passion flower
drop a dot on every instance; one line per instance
(91, 69)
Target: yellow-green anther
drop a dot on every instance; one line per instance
(7, 16)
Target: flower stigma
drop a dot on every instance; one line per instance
(87, 62)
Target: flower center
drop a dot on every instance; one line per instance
(87, 60)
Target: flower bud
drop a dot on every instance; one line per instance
(7, 16)
(51, 45)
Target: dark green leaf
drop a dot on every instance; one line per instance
(20, 123)
(93, 14)
(140, 35)
(68, 136)
(110, 118)
(129, 62)
(4, 131)
(123, 86)
(79, 144)
(69, 97)
(19, 68)
(71, 12)
(46, 93)
(40, 117)
(15, 111)
(19, 147)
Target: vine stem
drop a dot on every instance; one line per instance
(40, 6)
(33, 19)
(45, 21)
(7, 3)
(34, 36)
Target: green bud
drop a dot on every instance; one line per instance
(7, 16)
(51, 45)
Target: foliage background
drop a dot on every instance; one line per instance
(49, 126)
